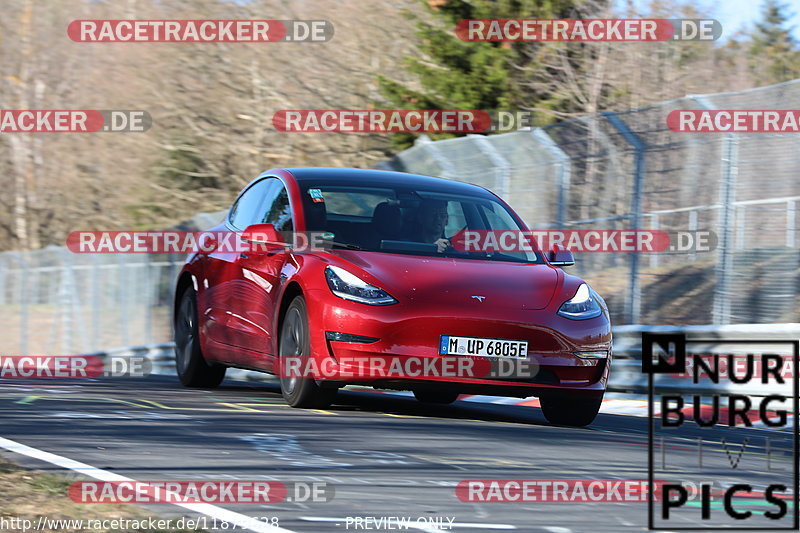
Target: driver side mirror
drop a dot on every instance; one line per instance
(560, 256)
(263, 238)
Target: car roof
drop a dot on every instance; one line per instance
(376, 178)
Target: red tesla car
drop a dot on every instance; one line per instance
(388, 284)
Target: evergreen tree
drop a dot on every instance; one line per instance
(773, 52)
(456, 74)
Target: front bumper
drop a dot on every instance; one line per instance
(413, 332)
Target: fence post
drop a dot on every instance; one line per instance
(64, 300)
(23, 301)
(94, 304)
(634, 303)
(3, 275)
(563, 172)
(727, 196)
(501, 164)
(655, 225)
(448, 169)
(150, 288)
(124, 316)
(693, 228)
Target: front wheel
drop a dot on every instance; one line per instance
(193, 371)
(563, 410)
(299, 390)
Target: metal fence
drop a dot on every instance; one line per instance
(54, 302)
(621, 170)
(627, 170)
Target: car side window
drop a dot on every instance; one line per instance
(276, 210)
(456, 220)
(245, 211)
(498, 218)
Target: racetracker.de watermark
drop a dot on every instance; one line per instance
(187, 242)
(381, 121)
(207, 491)
(589, 240)
(734, 121)
(378, 366)
(73, 366)
(199, 31)
(405, 120)
(553, 490)
(73, 120)
(588, 30)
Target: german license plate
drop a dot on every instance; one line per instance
(452, 345)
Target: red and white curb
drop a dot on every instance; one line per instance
(613, 404)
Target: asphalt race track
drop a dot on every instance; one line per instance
(385, 455)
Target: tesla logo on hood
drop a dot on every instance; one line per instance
(479, 298)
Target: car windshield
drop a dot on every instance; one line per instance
(405, 221)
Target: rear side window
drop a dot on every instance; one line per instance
(245, 210)
(354, 203)
(276, 210)
(265, 202)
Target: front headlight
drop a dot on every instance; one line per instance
(350, 287)
(582, 306)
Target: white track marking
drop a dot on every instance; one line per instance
(213, 511)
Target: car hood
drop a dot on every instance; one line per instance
(444, 280)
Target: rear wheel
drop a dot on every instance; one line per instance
(299, 391)
(193, 370)
(563, 410)
(435, 396)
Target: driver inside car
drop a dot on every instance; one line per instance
(431, 220)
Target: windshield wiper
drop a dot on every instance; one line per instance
(485, 256)
(344, 245)
(497, 256)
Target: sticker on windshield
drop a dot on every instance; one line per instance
(316, 195)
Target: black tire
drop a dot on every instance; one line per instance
(435, 396)
(192, 368)
(563, 410)
(294, 342)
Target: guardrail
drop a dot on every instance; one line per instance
(162, 361)
(626, 372)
